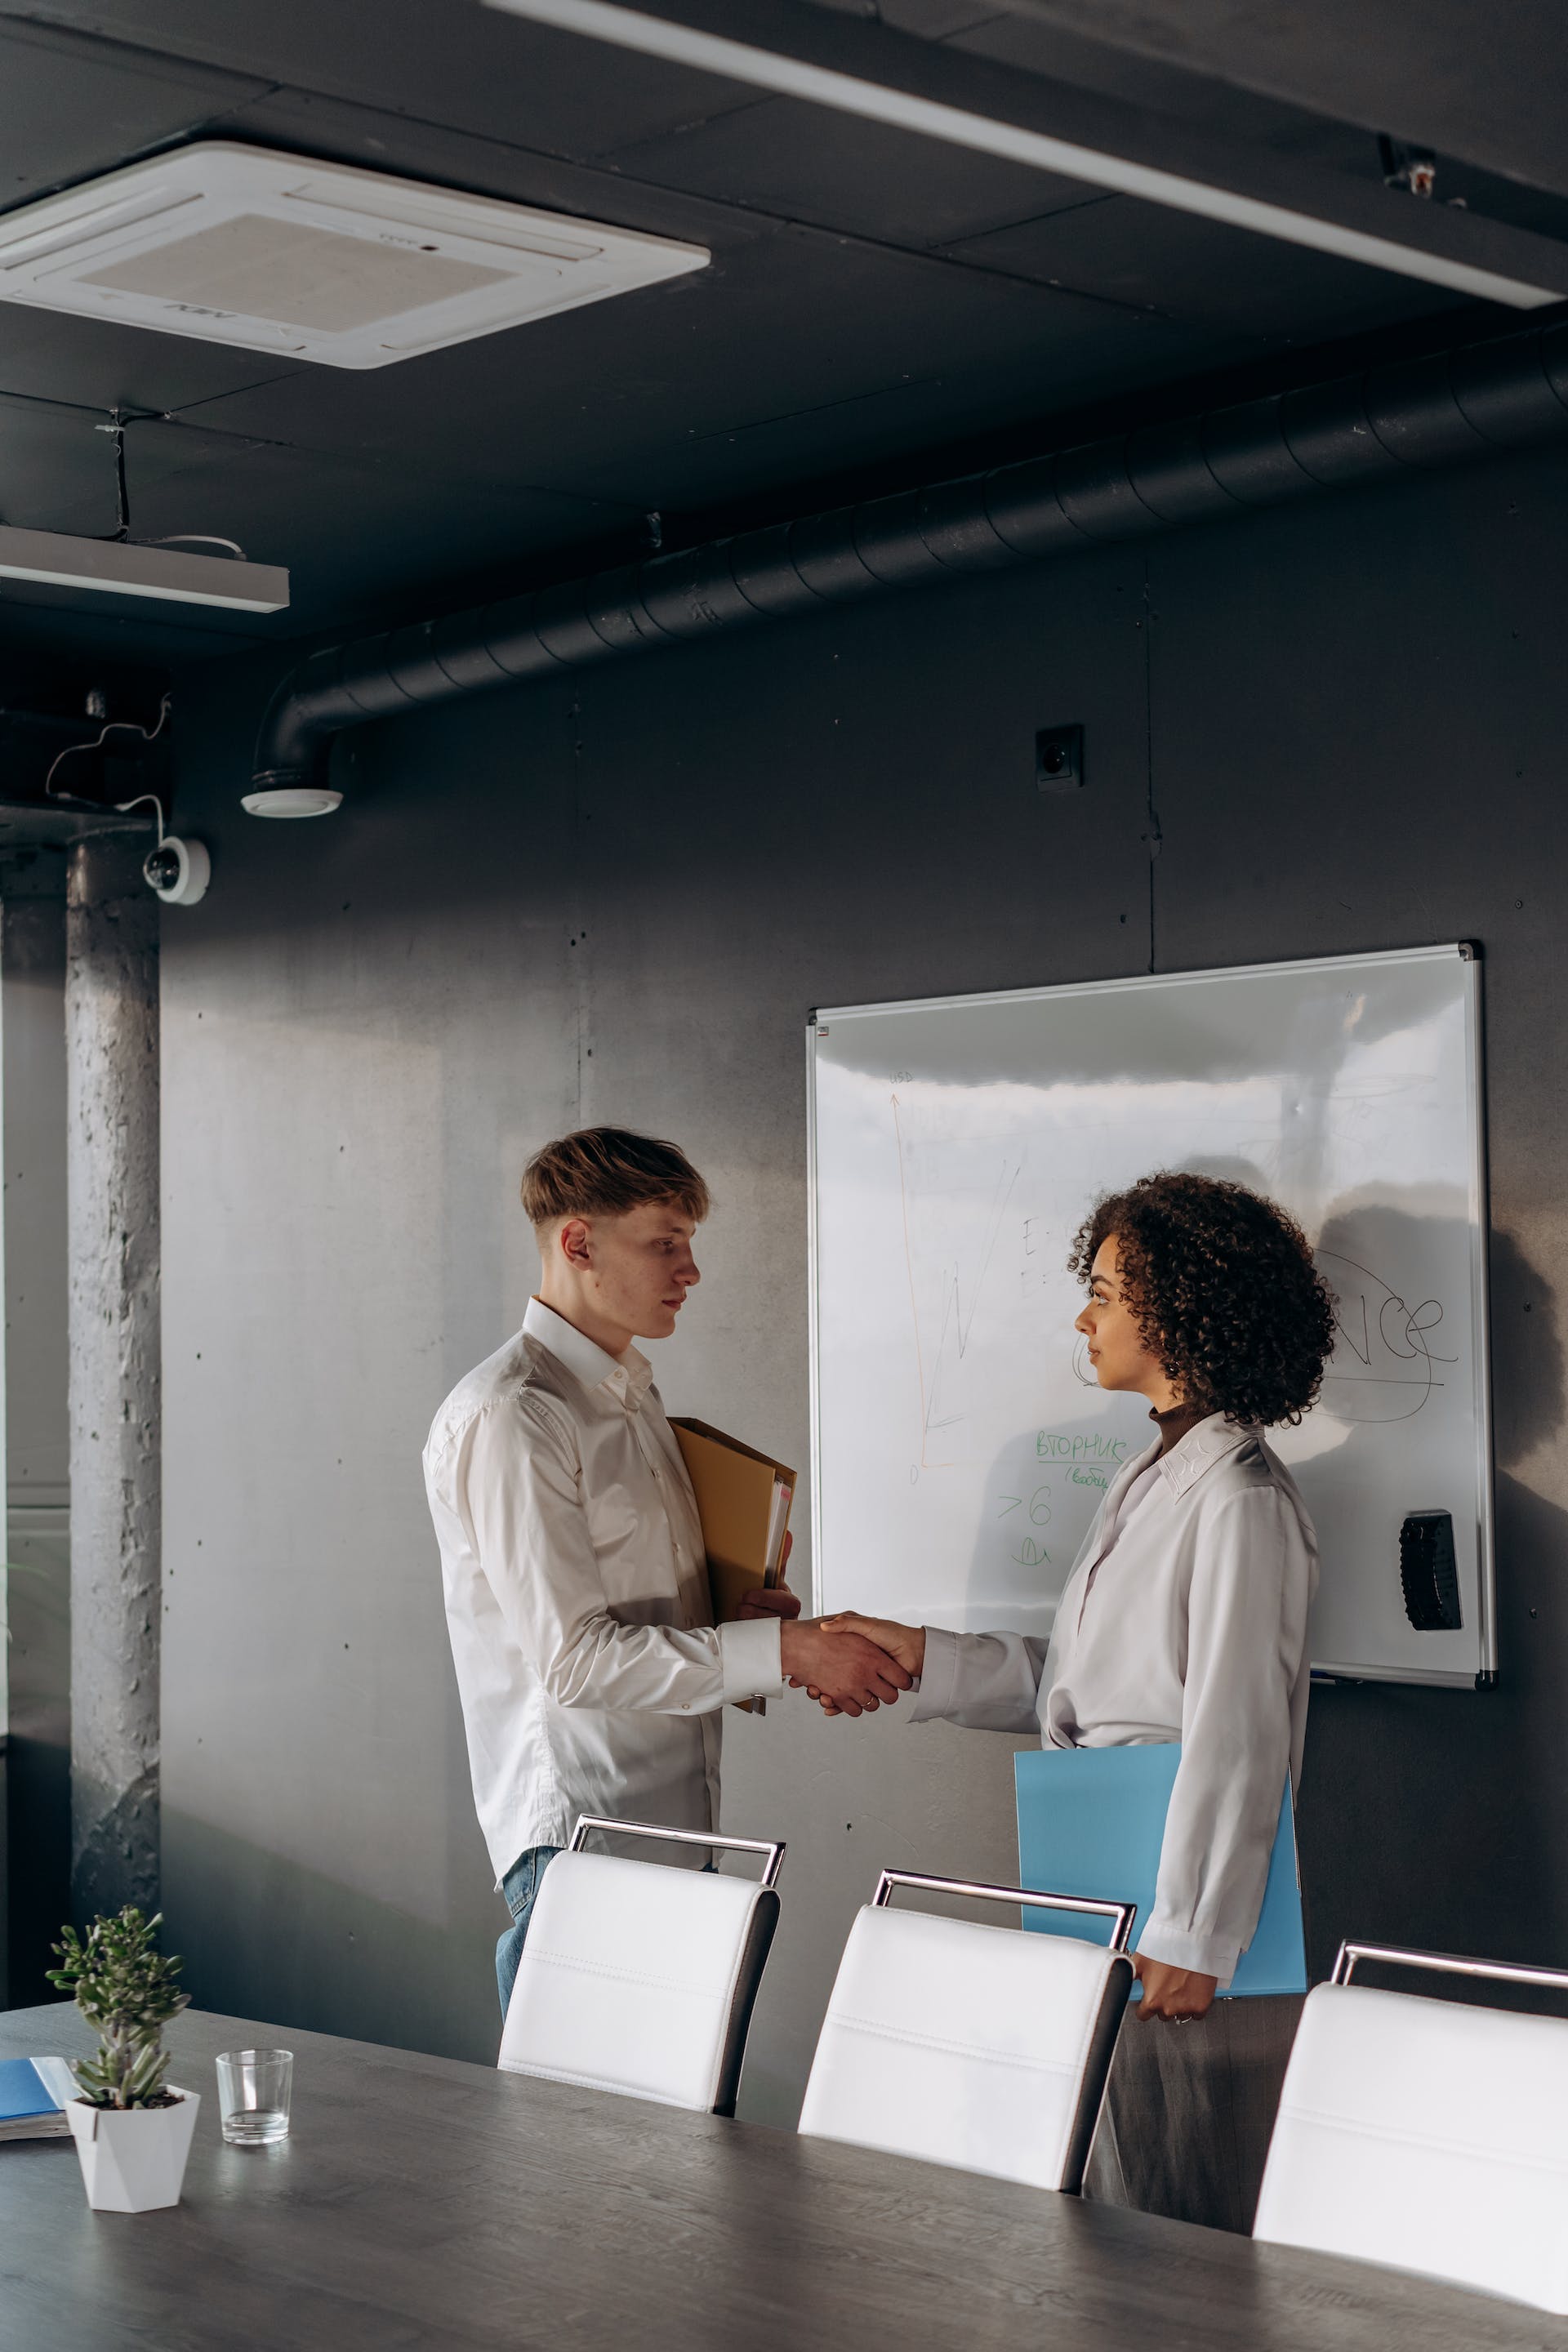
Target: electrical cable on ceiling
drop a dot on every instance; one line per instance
(112, 726)
(198, 539)
(123, 808)
(122, 496)
(121, 531)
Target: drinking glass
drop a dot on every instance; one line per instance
(253, 2087)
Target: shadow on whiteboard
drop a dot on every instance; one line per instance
(1397, 1429)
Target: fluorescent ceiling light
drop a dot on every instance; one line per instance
(312, 261)
(906, 110)
(120, 568)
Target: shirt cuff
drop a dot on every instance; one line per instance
(1210, 1956)
(939, 1676)
(749, 1657)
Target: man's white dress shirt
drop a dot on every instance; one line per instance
(590, 1670)
(1184, 1619)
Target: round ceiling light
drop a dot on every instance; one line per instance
(293, 800)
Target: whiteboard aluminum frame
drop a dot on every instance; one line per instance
(819, 1020)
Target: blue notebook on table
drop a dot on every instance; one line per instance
(1092, 1821)
(33, 2092)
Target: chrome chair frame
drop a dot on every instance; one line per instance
(774, 1852)
(1122, 1913)
(1456, 1963)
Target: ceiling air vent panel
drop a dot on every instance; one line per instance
(312, 261)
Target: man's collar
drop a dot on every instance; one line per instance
(1209, 1442)
(628, 1377)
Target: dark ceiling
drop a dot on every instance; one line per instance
(879, 307)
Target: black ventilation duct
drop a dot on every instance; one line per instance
(1413, 413)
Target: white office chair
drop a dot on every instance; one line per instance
(979, 2047)
(1426, 2135)
(638, 1976)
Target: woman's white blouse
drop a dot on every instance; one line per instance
(1184, 1619)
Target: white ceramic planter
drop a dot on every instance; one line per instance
(133, 2159)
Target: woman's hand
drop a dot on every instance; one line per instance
(1174, 1994)
(907, 1643)
(854, 1674)
(904, 1643)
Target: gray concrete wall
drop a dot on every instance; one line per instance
(614, 896)
(38, 1660)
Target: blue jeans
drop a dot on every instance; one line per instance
(520, 1885)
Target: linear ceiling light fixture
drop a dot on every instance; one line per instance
(121, 568)
(795, 76)
(119, 565)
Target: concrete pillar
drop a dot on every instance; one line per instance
(111, 1170)
(37, 1765)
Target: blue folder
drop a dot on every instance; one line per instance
(1092, 1821)
(23, 2095)
(31, 2093)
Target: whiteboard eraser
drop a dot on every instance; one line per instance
(1430, 1573)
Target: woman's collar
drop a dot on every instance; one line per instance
(1208, 1441)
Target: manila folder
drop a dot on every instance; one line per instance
(734, 1488)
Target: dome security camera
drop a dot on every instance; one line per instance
(179, 871)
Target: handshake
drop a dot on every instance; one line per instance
(849, 1665)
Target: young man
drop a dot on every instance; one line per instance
(591, 1672)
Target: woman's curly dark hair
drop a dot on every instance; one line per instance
(1223, 1289)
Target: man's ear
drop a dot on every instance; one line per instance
(574, 1243)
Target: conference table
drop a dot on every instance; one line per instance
(423, 2201)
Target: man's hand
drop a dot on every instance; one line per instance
(851, 1675)
(773, 1600)
(907, 1643)
(1171, 1993)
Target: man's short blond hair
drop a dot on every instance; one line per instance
(602, 1171)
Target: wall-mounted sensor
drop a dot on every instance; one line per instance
(179, 871)
(1430, 1573)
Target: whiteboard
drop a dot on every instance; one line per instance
(960, 1442)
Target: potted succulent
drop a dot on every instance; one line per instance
(133, 2130)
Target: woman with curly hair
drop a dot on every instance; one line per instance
(1184, 1619)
